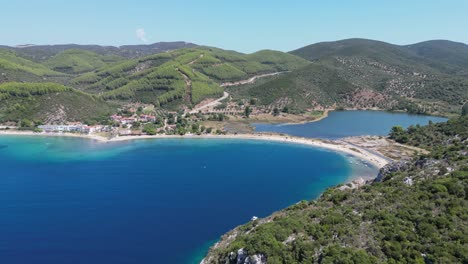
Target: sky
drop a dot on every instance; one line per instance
(241, 25)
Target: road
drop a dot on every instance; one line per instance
(250, 80)
(210, 104)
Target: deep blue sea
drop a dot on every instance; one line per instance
(340, 124)
(69, 200)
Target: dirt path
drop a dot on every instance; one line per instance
(195, 60)
(188, 87)
(251, 79)
(210, 104)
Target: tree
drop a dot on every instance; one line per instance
(218, 117)
(276, 111)
(195, 127)
(26, 123)
(150, 129)
(286, 109)
(136, 125)
(181, 130)
(465, 109)
(247, 111)
(398, 134)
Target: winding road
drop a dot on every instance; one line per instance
(226, 94)
(210, 104)
(251, 79)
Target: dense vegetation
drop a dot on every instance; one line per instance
(429, 77)
(78, 61)
(301, 89)
(414, 73)
(413, 213)
(187, 75)
(165, 79)
(48, 102)
(13, 66)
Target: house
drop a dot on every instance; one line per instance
(116, 117)
(128, 120)
(147, 118)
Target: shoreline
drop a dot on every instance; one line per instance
(333, 145)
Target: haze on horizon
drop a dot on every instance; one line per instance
(243, 25)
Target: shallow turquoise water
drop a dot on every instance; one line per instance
(69, 200)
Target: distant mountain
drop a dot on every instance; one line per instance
(448, 52)
(134, 51)
(44, 52)
(350, 47)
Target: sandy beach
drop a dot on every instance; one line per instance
(334, 145)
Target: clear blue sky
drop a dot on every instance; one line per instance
(240, 25)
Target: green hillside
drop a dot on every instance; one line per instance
(186, 76)
(48, 102)
(79, 61)
(428, 77)
(14, 67)
(388, 221)
(449, 56)
(307, 87)
(372, 74)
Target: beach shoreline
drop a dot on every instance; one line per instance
(333, 145)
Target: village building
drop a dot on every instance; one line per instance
(147, 118)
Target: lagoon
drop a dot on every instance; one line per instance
(340, 124)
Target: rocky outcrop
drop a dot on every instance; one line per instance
(391, 168)
(427, 163)
(357, 183)
(242, 257)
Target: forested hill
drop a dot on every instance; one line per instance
(44, 52)
(414, 212)
(176, 79)
(427, 77)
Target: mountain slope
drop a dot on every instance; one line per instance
(407, 80)
(13, 67)
(78, 61)
(186, 75)
(426, 77)
(414, 212)
(308, 87)
(453, 54)
(49, 103)
(40, 53)
(175, 79)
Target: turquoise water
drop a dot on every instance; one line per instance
(69, 200)
(341, 124)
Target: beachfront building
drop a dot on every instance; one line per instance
(74, 128)
(62, 128)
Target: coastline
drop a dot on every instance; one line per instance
(333, 145)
